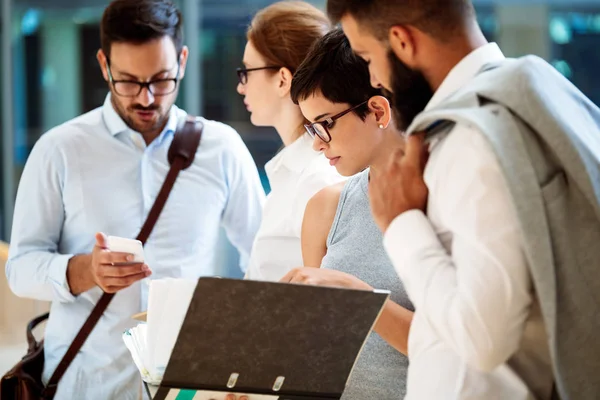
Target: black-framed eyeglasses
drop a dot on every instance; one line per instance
(156, 87)
(321, 128)
(242, 73)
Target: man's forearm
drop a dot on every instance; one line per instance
(79, 275)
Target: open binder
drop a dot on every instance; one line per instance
(292, 342)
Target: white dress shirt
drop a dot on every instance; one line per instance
(295, 174)
(464, 266)
(93, 174)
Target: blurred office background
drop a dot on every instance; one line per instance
(49, 73)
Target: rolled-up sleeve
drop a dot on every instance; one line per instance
(476, 291)
(35, 269)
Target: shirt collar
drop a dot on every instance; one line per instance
(174, 116)
(296, 155)
(464, 71)
(116, 125)
(113, 121)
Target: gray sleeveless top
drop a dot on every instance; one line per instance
(355, 246)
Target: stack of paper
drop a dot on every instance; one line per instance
(152, 342)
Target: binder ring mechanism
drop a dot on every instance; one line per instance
(234, 377)
(232, 380)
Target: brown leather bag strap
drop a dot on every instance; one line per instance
(181, 156)
(32, 343)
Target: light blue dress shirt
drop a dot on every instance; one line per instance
(94, 174)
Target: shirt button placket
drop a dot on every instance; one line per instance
(147, 183)
(146, 178)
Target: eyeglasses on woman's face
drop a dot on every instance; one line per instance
(242, 73)
(321, 128)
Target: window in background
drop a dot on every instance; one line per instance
(32, 59)
(22, 86)
(575, 37)
(93, 87)
(222, 39)
(487, 22)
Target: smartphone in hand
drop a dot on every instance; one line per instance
(130, 246)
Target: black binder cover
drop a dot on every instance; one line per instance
(310, 336)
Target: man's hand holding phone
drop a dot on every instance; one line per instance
(117, 263)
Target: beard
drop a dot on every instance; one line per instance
(127, 114)
(410, 92)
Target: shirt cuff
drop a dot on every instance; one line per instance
(57, 276)
(408, 238)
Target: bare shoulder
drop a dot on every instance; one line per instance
(324, 204)
(318, 219)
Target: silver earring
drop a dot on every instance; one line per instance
(381, 126)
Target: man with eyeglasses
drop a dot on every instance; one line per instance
(101, 172)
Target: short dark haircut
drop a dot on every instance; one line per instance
(438, 18)
(140, 21)
(332, 69)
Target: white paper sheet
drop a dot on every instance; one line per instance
(166, 329)
(151, 343)
(206, 395)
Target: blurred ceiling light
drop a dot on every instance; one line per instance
(563, 67)
(30, 22)
(560, 31)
